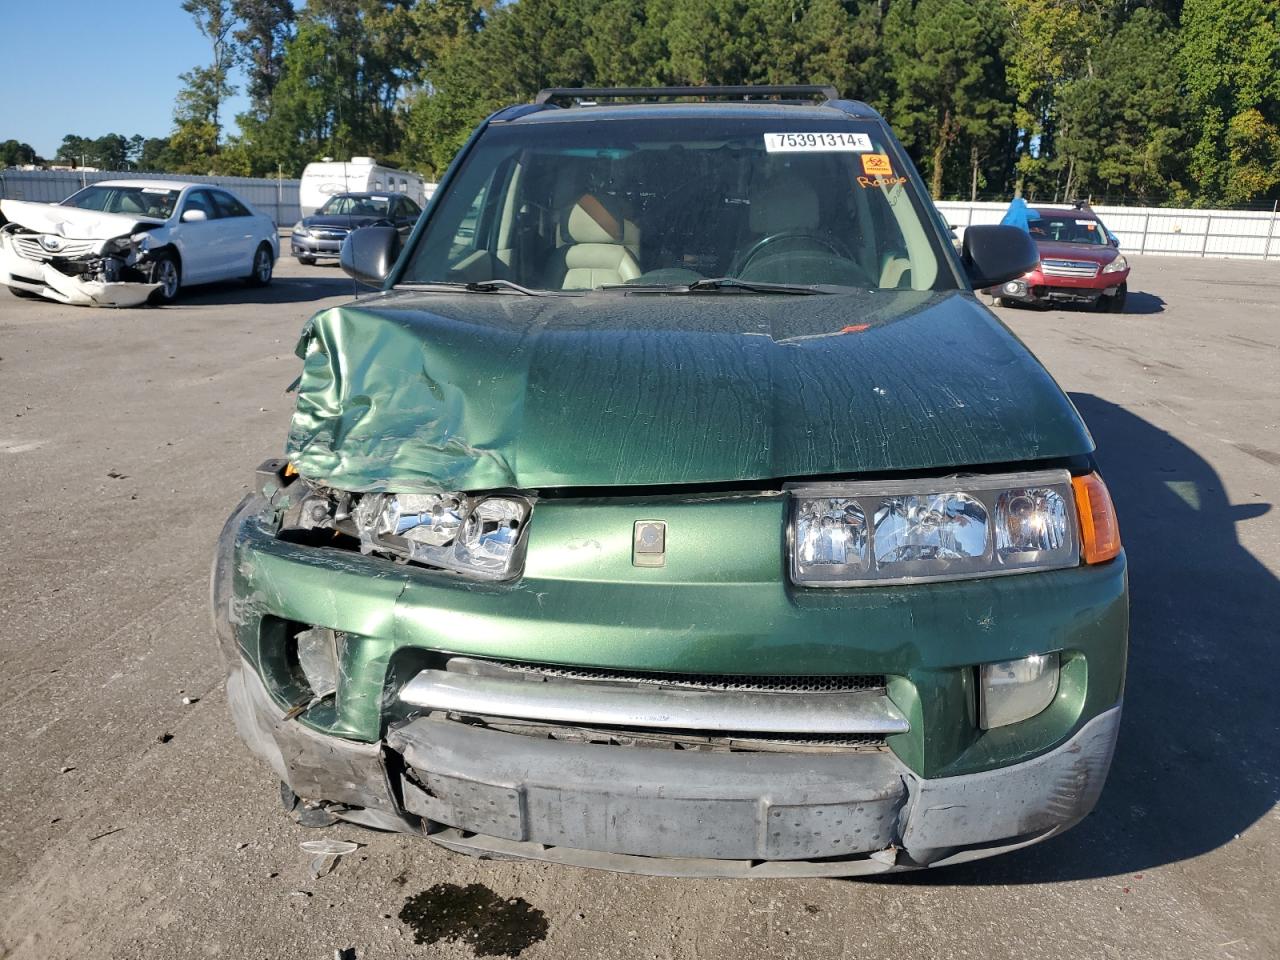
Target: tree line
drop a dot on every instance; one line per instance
(1149, 101)
(114, 151)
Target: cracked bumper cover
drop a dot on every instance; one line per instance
(675, 812)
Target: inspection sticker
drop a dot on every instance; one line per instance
(817, 143)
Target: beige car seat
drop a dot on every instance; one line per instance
(596, 249)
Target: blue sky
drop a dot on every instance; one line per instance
(91, 68)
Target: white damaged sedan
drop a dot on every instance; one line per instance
(120, 243)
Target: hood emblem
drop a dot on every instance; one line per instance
(649, 543)
(51, 243)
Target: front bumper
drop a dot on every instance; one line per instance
(1037, 288)
(942, 792)
(312, 246)
(45, 280)
(674, 813)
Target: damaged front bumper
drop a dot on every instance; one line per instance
(674, 812)
(933, 789)
(111, 273)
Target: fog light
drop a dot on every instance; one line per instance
(1015, 288)
(1015, 690)
(318, 659)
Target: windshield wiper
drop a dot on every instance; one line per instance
(478, 286)
(733, 283)
(492, 286)
(712, 284)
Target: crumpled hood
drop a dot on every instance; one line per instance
(428, 391)
(72, 222)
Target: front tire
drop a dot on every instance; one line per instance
(1115, 304)
(167, 272)
(263, 266)
(307, 261)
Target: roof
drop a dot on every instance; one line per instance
(835, 111)
(1083, 213)
(779, 102)
(159, 184)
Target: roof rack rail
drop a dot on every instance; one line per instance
(795, 91)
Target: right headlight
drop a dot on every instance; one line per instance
(952, 528)
(477, 536)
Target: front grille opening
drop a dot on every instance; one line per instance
(715, 741)
(736, 683)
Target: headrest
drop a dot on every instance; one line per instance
(590, 221)
(784, 207)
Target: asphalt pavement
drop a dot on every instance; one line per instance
(135, 825)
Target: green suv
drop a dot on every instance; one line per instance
(676, 508)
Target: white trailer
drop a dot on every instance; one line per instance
(323, 179)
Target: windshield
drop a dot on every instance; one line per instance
(346, 205)
(586, 204)
(1068, 229)
(155, 202)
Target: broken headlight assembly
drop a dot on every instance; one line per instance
(953, 528)
(480, 536)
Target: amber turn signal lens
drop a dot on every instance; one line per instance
(1099, 531)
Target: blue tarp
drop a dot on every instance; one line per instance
(1019, 215)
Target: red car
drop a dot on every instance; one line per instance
(1079, 263)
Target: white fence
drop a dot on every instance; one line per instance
(278, 199)
(1232, 234)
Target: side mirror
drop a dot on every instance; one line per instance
(1115, 241)
(995, 253)
(368, 254)
(194, 216)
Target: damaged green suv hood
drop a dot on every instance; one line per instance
(425, 391)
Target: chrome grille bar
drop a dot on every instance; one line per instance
(590, 703)
(1068, 268)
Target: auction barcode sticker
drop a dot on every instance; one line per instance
(817, 143)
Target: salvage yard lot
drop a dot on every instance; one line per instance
(136, 825)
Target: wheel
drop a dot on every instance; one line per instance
(307, 261)
(167, 272)
(999, 302)
(1115, 304)
(264, 263)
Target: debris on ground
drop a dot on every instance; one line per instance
(326, 853)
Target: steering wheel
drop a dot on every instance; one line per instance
(838, 249)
